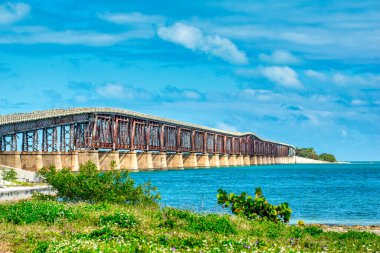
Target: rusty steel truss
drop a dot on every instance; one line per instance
(115, 129)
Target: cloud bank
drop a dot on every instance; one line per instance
(193, 38)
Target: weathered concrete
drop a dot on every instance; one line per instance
(224, 160)
(203, 160)
(214, 160)
(174, 161)
(31, 161)
(128, 160)
(18, 193)
(88, 155)
(159, 161)
(253, 160)
(239, 160)
(51, 159)
(232, 160)
(190, 160)
(70, 160)
(10, 158)
(247, 160)
(108, 157)
(145, 161)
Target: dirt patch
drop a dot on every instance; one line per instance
(5, 247)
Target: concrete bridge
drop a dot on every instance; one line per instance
(134, 141)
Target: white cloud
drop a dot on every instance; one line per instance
(193, 38)
(343, 133)
(315, 75)
(131, 18)
(35, 35)
(279, 57)
(111, 90)
(284, 76)
(13, 12)
(359, 102)
(226, 127)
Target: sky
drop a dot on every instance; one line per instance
(305, 73)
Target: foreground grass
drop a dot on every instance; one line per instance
(49, 226)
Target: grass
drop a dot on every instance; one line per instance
(50, 226)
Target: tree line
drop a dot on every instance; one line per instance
(310, 153)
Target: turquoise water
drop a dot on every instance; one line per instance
(329, 193)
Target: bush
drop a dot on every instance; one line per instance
(92, 185)
(327, 157)
(9, 174)
(26, 212)
(198, 222)
(256, 208)
(122, 220)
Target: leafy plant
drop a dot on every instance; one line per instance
(9, 174)
(255, 208)
(92, 185)
(327, 157)
(122, 220)
(26, 212)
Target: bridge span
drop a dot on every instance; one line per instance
(134, 141)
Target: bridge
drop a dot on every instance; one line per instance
(130, 140)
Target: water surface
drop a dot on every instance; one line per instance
(328, 193)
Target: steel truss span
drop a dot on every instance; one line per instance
(116, 129)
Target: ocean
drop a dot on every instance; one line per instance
(347, 194)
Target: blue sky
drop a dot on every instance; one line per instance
(300, 72)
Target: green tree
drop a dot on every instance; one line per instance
(256, 208)
(9, 175)
(90, 184)
(307, 153)
(327, 157)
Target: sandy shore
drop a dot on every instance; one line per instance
(344, 228)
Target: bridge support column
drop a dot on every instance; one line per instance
(145, 161)
(106, 158)
(128, 161)
(269, 160)
(159, 161)
(174, 161)
(253, 160)
(88, 155)
(70, 160)
(259, 160)
(239, 160)
(190, 160)
(10, 158)
(232, 160)
(31, 161)
(214, 160)
(247, 160)
(224, 161)
(52, 159)
(292, 159)
(203, 160)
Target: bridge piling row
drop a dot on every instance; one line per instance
(132, 160)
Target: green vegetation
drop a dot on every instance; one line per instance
(9, 175)
(256, 208)
(89, 184)
(128, 219)
(50, 226)
(310, 153)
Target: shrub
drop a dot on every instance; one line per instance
(256, 208)
(122, 220)
(327, 157)
(26, 212)
(9, 174)
(198, 222)
(92, 185)
(313, 230)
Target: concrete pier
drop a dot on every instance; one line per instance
(106, 158)
(128, 161)
(159, 161)
(174, 160)
(214, 160)
(145, 161)
(224, 160)
(203, 160)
